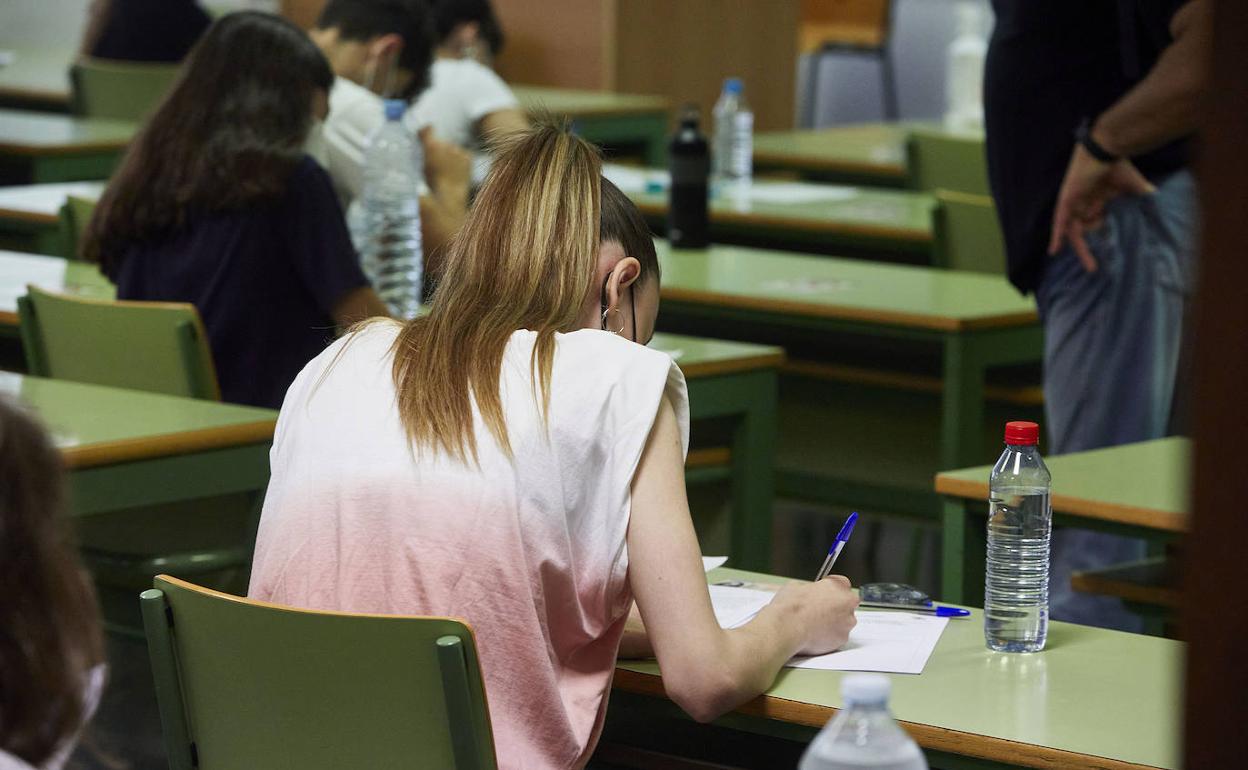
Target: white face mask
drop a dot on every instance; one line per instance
(315, 144)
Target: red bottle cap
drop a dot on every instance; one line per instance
(1021, 433)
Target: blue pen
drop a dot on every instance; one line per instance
(928, 609)
(838, 545)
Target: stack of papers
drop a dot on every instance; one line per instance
(885, 641)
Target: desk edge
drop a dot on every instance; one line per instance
(168, 445)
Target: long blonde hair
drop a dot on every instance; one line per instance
(525, 258)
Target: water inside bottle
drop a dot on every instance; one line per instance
(1016, 590)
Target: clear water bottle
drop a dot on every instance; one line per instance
(864, 733)
(733, 155)
(689, 160)
(385, 218)
(964, 84)
(1020, 520)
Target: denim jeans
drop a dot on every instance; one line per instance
(1111, 353)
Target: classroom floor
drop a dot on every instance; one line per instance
(125, 734)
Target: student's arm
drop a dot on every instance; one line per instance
(1166, 105)
(448, 172)
(707, 670)
(357, 305)
(502, 122)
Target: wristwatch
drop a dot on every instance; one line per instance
(1083, 135)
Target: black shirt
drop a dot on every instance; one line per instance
(150, 30)
(1051, 63)
(264, 278)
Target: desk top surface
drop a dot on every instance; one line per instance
(1090, 693)
(844, 289)
(41, 133)
(1144, 484)
(36, 72)
(585, 104)
(96, 425)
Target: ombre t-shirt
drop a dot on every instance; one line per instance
(530, 549)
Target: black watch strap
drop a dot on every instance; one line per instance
(1083, 135)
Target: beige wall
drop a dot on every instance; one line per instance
(555, 42)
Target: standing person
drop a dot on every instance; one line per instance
(467, 102)
(516, 458)
(1090, 109)
(383, 48)
(143, 30)
(216, 204)
(51, 643)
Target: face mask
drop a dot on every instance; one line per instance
(315, 145)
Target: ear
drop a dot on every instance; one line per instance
(385, 48)
(623, 275)
(465, 35)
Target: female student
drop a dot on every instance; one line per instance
(51, 646)
(516, 458)
(216, 204)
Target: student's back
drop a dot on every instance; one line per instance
(144, 30)
(215, 204)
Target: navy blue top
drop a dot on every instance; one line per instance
(1050, 64)
(150, 30)
(264, 278)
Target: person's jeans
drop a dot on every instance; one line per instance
(1111, 352)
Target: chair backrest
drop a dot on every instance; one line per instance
(154, 346)
(854, 23)
(75, 214)
(940, 160)
(122, 90)
(242, 683)
(967, 233)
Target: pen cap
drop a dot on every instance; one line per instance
(865, 689)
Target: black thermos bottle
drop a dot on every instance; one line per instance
(689, 160)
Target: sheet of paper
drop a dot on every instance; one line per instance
(711, 562)
(46, 199)
(890, 642)
(633, 180)
(17, 270)
(885, 641)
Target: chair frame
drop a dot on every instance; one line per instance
(883, 54)
(160, 627)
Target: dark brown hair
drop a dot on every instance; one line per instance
(228, 134)
(50, 635)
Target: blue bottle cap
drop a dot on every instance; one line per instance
(732, 86)
(395, 109)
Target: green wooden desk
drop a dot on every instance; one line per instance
(867, 154)
(973, 322)
(18, 270)
(1092, 699)
(30, 214)
(37, 78)
(126, 449)
(602, 117)
(737, 381)
(1140, 490)
(888, 225)
(39, 147)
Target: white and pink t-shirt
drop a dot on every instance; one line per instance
(530, 550)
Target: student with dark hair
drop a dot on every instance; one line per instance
(51, 645)
(216, 204)
(467, 102)
(516, 458)
(382, 49)
(143, 30)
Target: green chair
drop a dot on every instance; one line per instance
(945, 160)
(155, 346)
(242, 683)
(121, 90)
(967, 233)
(75, 214)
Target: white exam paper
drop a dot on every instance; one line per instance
(46, 199)
(711, 562)
(884, 641)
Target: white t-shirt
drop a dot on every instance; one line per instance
(461, 92)
(340, 142)
(530, 549)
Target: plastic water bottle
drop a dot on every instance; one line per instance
(689, 160)
(733, 155)
(864, 733)
(385, 218)
(964, 85)
(1020, 519)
